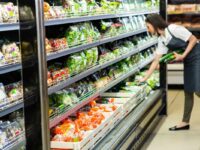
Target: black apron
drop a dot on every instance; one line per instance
(191, 63)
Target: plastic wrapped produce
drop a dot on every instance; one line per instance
(14, 91)
(83, 7)
(59, 11)
(127, 24)
(48, 46)
(9, 12)
(62, 97)
(93, 7)
(72, 7)
(75, 63)
(8, 131)
(89, 56)
(48, 11)
(11, 52)
(73, 34)
(95, 55)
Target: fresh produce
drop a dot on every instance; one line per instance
(93, 7)
(105, 54)
(76, 63)
(48, 11)
(81, 33)
(72, 7)
(10, 52)
(56, 44)
(107, 28)
(48, 46)
(170, 56)
(152, 82)
(9, 12)
(57, 73)
(10, 130)
(127, 24)
(72, 34)
(61, 98)
(91, 56)
(88, 118)
(110, 6)
(10, 93)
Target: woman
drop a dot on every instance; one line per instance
(175, 37)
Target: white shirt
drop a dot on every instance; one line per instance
(177, 31)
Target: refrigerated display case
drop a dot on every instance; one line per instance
(72, 54)
(12, 129)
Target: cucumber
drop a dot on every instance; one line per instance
(165, 57)
(172, 57)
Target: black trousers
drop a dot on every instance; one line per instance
(189, 102)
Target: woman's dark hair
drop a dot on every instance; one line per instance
(156, 21)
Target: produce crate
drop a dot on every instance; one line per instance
(92, 137)
(109, 123)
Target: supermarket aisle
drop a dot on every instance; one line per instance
(179, 140)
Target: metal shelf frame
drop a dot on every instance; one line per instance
(12, 108)
(10, 68)
(96, 17)
(9, 26)
(90, 45)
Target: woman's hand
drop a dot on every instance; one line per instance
(178, 57)
(142, 80)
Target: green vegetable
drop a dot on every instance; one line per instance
(89, 57)
(73, 35)
(62, 98)
(169, 57)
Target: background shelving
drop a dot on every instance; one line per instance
(185, 13)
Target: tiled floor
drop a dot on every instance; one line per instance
(163, 139)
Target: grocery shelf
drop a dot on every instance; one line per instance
(94, 69)
(87, 100)
(90, 71)
(90, 45)
(147, 45)
(9, 26)
(68, 51)
(74, 108)
(111, 140)
(96, 17)
(17, 143)
(15, 106)
(10, 68)
(125, 35)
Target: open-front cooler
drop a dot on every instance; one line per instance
(80, 61)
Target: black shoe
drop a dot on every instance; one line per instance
(187, 127)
